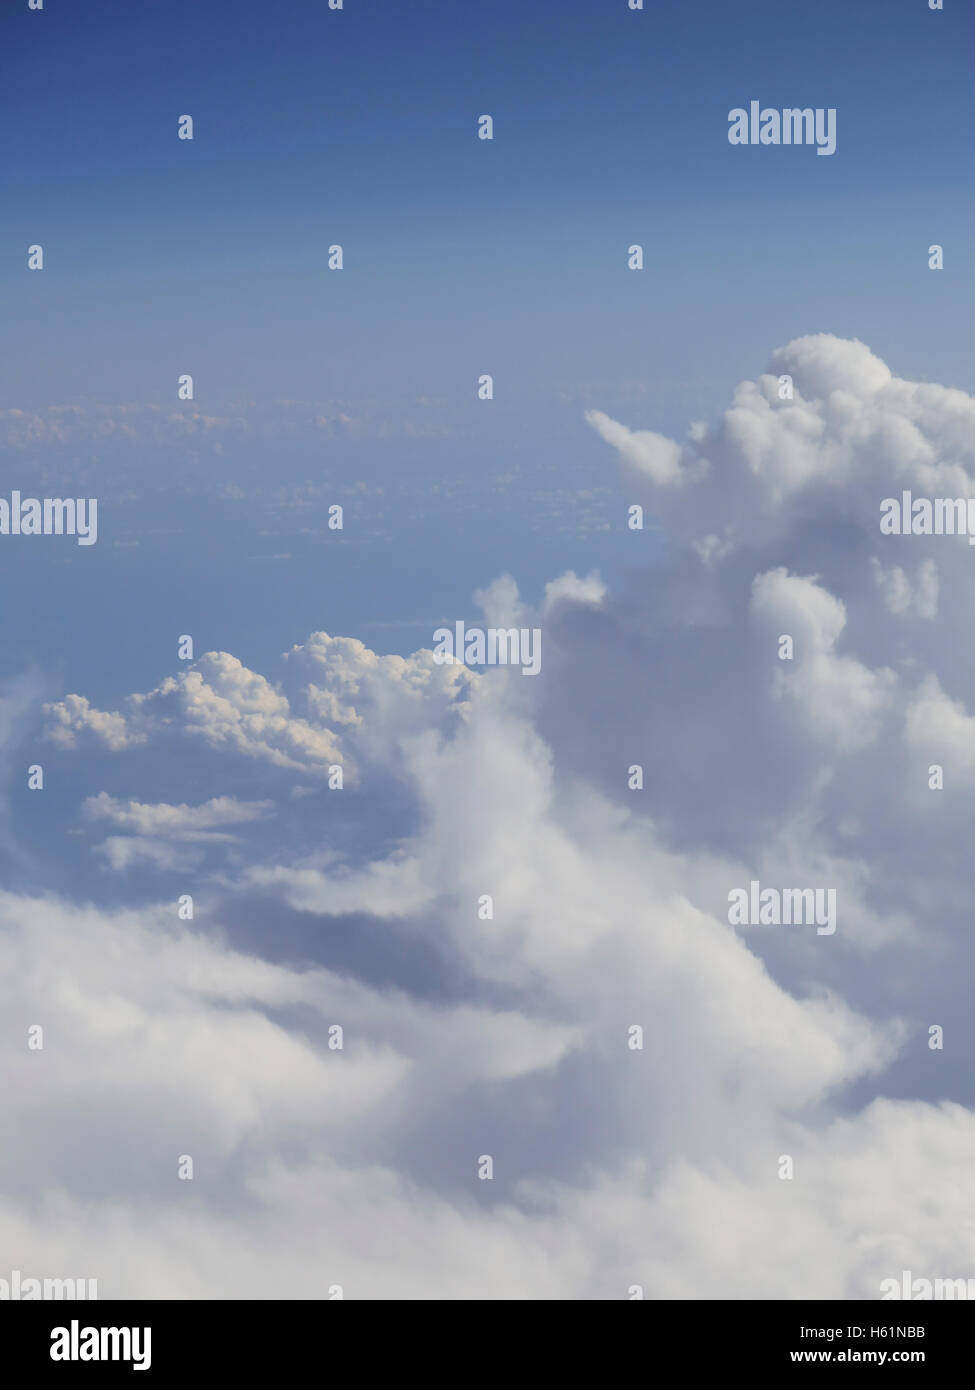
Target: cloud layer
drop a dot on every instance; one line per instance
(494, 911)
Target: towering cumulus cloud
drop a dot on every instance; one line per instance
(476, 1022)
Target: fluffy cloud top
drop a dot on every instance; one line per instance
(526, 945)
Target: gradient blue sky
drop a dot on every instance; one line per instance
(314, 126)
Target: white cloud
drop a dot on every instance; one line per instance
(840, 698)
(648, 453)
(507, 1033)
(233, 709)
(74, 715)
(163, 835)
(919, 598)
(177, 822)
(570, 588)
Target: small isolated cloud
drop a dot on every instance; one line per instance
(167, 837)
(569, 588)
(174, 822)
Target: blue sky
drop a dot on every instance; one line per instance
(358, 126)
(462, 256)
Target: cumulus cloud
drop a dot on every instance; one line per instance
(230, 708)
(847, 434)
(74, 716)
(840, 697)
(518, 916)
